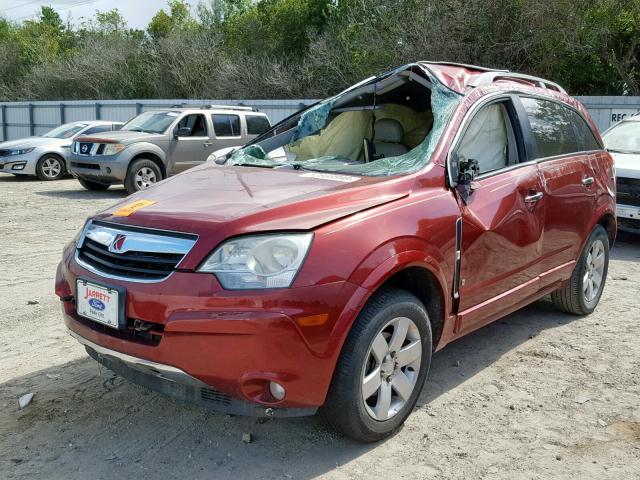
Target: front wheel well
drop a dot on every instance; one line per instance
(154, 158)
(424, 285)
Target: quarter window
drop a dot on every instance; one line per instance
(226, 125)
(257, 124)
(552, 127)
(489, 139)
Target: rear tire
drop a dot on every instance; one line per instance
(141, 175)
(382, 367)
(93, 186)
(50, 167)
(581, 294)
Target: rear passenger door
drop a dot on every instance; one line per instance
(562, 141)
(228, 130)
(502, 218)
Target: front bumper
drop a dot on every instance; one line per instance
(101, 169)
(19, 164)
(179, 384)
(232, 342)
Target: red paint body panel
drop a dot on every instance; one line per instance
(364, 232)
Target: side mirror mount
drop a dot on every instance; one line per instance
(468, 170)
(182, 132)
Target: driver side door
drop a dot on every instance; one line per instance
(190, 150)
(502, 218)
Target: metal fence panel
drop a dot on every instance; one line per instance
(21, 119)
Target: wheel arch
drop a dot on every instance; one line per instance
(609, 223)
(154, 157)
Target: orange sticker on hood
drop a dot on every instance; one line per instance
(132, 207)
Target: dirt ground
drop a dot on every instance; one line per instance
(538, 394)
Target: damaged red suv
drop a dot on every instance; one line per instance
(323, 264)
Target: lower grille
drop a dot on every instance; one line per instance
(628, 191)
(150, 335)
(132, 253)
(214, 396)
(89, 166)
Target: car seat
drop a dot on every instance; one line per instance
(388, 138)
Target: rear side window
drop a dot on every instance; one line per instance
(557, 130)
(257, 124)
(226, 125)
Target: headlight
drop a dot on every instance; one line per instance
(22, 151)
(113, 148)
(258, 261)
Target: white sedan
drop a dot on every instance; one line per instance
(46, 156)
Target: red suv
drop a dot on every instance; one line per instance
(323, 264)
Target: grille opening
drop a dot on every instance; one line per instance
(151, 335)
(214, 396)
(143, 265)
(628, 191)
(89, 166)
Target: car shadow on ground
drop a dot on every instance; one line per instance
(86, 419)
(82, 194)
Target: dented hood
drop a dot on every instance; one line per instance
(237, 200)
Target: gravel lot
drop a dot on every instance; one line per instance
(535, 395)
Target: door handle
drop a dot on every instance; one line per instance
(207, 144)
(534, 197)
(586, 181)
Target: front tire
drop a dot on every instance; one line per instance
(50, 167)
(581, 294)
(93, 186)
(382, 367)
(141, 175)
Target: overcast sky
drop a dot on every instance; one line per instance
(137, 12)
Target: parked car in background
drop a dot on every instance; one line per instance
(159, 143)
(623, 141)
(46, 156)
(324, 263)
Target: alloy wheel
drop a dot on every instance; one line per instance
(51, 167)
(594, 271)
(391, 370)
(145, 177)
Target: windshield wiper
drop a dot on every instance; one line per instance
(249, 164)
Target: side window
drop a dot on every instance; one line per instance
(226, 125)
(489, 139)
(194, 122)
(97, 129)
(257, 124)
(586, 139)
(552, 129)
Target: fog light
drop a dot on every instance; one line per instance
(18, 166)
(276, 390)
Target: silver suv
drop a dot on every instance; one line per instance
(159, 143)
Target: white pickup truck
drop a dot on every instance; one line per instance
(623, 142)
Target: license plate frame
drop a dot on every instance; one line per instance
(116, 305)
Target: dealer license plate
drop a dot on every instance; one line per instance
(626, 211)
(98, 303)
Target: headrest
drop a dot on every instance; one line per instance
(389, 130)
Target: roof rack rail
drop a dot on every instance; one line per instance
(490, 77)
(231, 107)
(466, 65)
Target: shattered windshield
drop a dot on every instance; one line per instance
(389, 128)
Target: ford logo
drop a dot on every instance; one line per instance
(97, 304)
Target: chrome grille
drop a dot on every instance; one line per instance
(131, 253)
(628, 191)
